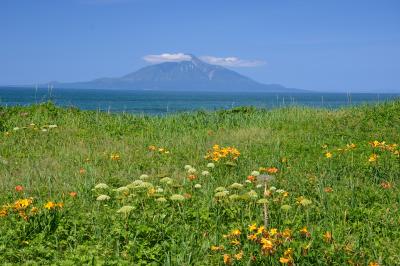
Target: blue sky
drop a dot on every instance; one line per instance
(310, 44)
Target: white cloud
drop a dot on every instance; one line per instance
(222, 61)
(167, 58)
(231, 61)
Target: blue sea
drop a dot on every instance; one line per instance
(164, 102)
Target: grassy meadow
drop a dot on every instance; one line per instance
(290, 186)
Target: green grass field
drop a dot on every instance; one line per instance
(80, 187)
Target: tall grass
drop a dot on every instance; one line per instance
(354, 199)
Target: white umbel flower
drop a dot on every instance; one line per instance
(126, 209)
(205, 173)
(210, 165)
(143, 177)
(236, 186)
(262, 201)
(192, 170)
(255, 173)
(252, 194)
(221, 194)
(166, 180)
(161, 199)
(219, 189)
(234, 197)
(103, 198)
(122, 189)
(101, 186)
(177, 197)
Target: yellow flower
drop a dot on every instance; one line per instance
(23, 215)
(235, 242)
(216, 153)
(152, 148)
(236, 232)
(50, 205)
(273, 231)
(284, 260)
(386, 185)
(227, 259)
(115, 157)
(266, 241)
(304, 232)
(252, 227)
(287, 233)
(375, 143)
(288, 252)
(252, 237)
(217, 248)
(260, 230)
(34, 210)
(327, 236)
(328, 155)
(3, 213)
(351, 146)
(373, 158)
(373, 263)
(266, 244)
(239, 255)
(22, 203)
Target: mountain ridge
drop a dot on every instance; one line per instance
(193, 74)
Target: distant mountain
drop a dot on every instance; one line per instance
(184, 75)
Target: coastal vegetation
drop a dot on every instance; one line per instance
(245, 186)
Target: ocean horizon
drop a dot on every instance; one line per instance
(164, 102)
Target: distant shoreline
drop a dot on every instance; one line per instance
(194, 91)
